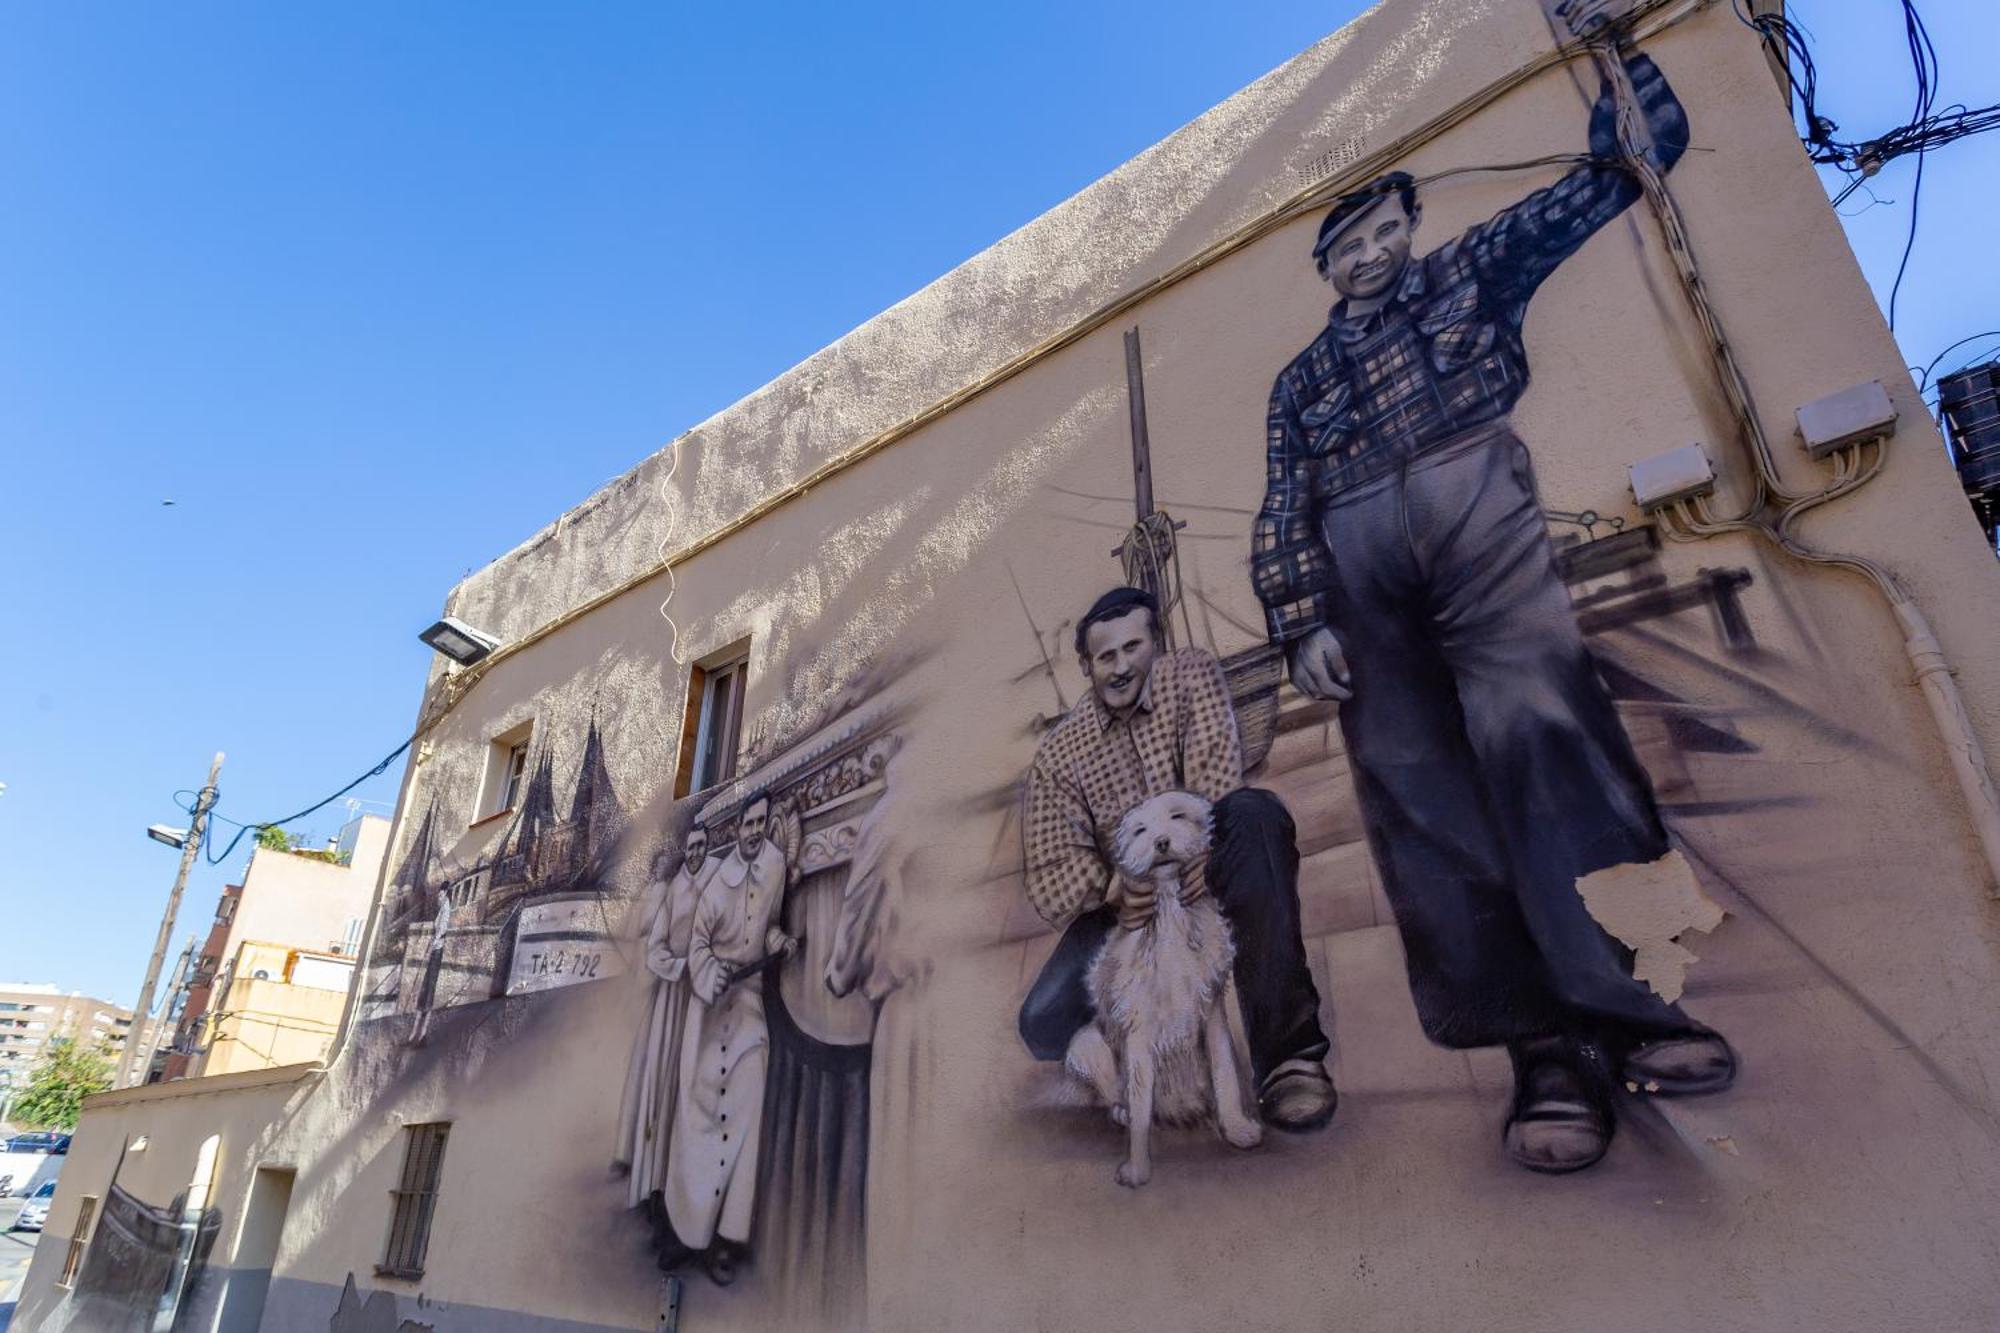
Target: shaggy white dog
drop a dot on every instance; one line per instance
(1160, 1049)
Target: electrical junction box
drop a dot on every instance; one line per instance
(1678, 474)
(1850, 417)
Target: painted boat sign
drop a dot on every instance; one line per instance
(562, 944)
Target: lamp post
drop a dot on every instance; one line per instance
(189, 846)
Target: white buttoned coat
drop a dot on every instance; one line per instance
(711, 1177)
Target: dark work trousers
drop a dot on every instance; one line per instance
(1253, 871)
(1491, 766)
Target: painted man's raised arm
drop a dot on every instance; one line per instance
(1517, 249)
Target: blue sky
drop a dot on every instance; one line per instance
(372, 291)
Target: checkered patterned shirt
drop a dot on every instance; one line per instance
(1442, 357)
(1094, 766)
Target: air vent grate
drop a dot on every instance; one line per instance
(1330, 163)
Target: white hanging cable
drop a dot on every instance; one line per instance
(673, 506)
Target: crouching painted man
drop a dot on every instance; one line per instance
(1156, 721)
(710, 1190)
(1404, 565)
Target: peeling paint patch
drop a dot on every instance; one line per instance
(1648, 908)
(377, 1315)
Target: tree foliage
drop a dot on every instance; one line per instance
(66, 1075)
(275, 839)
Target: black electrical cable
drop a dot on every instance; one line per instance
(245, 830)
(1924, 381)
(1926, 130)
(1909, 241)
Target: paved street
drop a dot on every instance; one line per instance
(16, 1248)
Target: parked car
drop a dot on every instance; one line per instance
(40, 1141)
(35, 1212)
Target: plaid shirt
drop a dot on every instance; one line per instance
(1094, 766)
(1443, 356)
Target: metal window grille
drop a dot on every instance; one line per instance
(415, 1199)
(73, 1261)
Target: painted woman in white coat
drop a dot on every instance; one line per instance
(652, 1080)
(711, 1181)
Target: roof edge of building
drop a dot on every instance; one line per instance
(196, 1087)
(1353, 90)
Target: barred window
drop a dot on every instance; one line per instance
(79, 1237)
(415, 1199)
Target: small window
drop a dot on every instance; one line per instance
(517, 769)
(506, 771)
(78, 1237)
(714, 724)
(415, 1199)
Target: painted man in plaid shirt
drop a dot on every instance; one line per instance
(1404, 566)
(1156, 721)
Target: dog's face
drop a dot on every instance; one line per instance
(1171, 829)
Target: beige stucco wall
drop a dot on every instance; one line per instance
(1848, 1182)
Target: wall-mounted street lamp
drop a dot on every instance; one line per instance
(173, 837)
(459, 641)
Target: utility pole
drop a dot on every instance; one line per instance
(175, 988)
(189, 849)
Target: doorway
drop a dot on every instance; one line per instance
(249, 1279)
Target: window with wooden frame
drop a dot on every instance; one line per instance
(415, 1200)
(86, 1209)
(506, 772)
(713, 726)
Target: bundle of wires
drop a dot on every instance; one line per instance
(192, 803)
(1927, 129)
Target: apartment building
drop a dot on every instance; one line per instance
(269, 980)
(32, 1016)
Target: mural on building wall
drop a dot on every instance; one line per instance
(144, 1262)
(535, 910)
(744, 1126)
(1410, 584)
(1155, 722)
(145, 1267)
(1455, 701)
(1404, 563)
